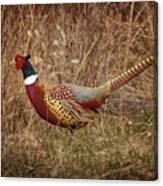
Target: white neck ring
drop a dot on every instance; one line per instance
(31, 79)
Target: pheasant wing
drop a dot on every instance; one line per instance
(67, 111)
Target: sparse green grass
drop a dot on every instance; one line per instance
(84, 44)
(99, 151)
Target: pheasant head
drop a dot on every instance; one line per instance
(23, 63)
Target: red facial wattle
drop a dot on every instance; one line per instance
(19, 61)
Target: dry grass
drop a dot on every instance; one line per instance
(84, 44)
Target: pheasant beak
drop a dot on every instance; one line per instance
(19, 61)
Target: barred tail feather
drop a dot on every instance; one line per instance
(131, 73)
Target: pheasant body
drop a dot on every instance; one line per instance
(90, 97)
(70, 105)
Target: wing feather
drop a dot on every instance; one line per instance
(67, 111)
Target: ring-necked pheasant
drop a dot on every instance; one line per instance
(70, 105)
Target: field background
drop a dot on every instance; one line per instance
(85, 44)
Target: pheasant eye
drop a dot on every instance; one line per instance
(19, 62)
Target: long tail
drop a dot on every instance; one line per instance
(94, 97)
(130, 73)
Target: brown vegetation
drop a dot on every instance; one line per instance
(84, 44)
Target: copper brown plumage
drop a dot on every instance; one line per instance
(126, 76)
(70, 105)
